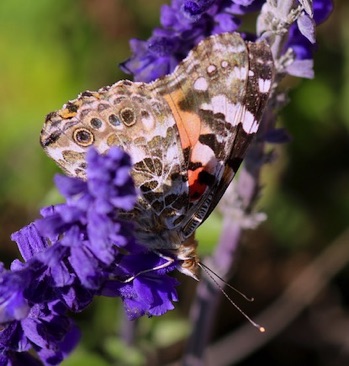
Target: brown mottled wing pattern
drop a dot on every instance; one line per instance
(186, 133)
(131, 116)
(217, 96)
(261, 74)
(259, 82)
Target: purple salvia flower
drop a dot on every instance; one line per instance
(86, 228)
(13, 304)
(27, 324)
(45, 329)
(150, 293)
(184, 24)
(72, 254)
(193, 10)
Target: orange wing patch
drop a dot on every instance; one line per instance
(196, 187)
(202, 163)
(188, 123)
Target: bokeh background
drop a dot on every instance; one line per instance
(52, 50)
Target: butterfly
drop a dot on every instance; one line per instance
(187, 134)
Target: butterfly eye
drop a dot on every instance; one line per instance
(128, 116)
(83, 137)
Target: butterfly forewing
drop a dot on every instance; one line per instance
(217, 97)
(259, 83)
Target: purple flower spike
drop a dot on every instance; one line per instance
(184, 24)
(69, 254)
(76, 250)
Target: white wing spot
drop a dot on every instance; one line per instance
(250, 73)
(148, 122)
(233, 113)
(264, 85)
(249, 123)
(224, 64)
(221, 104)
(211, 69)
(203, 154)
(200, 84)
(240, 73)
(240, 48)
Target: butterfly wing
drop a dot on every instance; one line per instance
(261, 74)
(217, 97)
(130, 116)
(186, 133)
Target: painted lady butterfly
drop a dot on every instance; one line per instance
(187, 134)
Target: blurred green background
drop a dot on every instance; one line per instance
(52, 50)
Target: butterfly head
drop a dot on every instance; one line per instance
(188, 257)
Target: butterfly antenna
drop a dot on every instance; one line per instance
(210, 273)
(250, 299)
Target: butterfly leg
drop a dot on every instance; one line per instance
(169, 260)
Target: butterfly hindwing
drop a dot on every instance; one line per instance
(138, 120)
